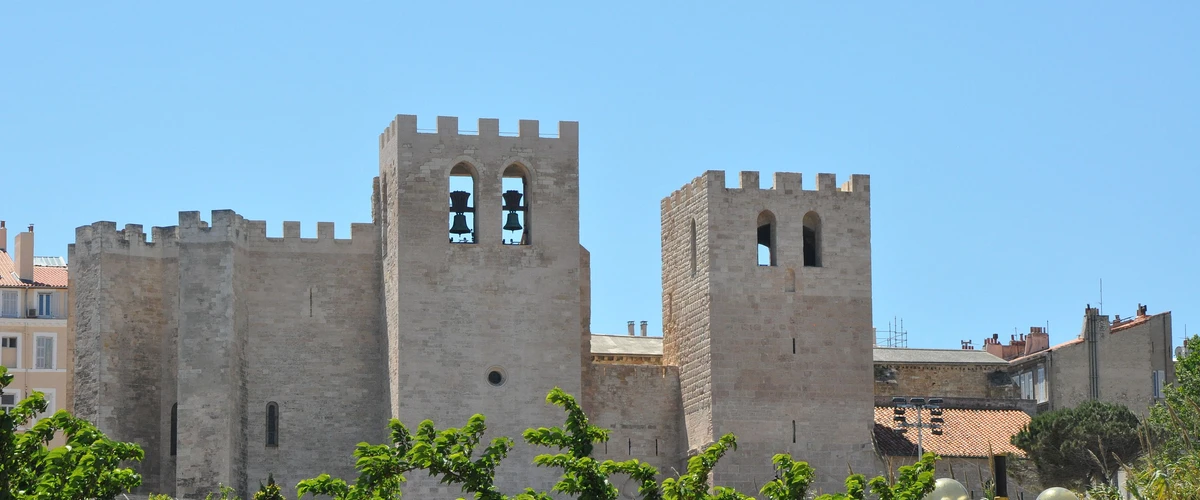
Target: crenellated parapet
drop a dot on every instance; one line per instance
(225, 225)
(228, 225)
(103, 236)
(403, 129)
(783, 184)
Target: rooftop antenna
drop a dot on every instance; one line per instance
(1101, 296)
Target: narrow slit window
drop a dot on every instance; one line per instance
(272, 424)
(766, 239)
(515, 195)
(630, 446)
(174, 429)
(793, 431)
(793, 345)
(656, 447)
(693, 247)
(462, 204)
(812, 240)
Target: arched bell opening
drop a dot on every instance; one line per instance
(812, 240)
(514, 184)
(766, 238)
(462, 204)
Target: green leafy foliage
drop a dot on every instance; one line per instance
(1171, 467)
(693, 485)
(87, 466)
(1175, 421)
(583, 476)
(792, 479)
(1080, 446)
(223, 493)
(448, 455)
(912, 483)
(269, 491)
(381, 470)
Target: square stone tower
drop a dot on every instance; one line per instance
(481, 291)
(774, 347)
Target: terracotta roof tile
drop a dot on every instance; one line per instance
(43, 276)
(967, 433)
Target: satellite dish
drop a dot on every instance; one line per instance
(1179, 352)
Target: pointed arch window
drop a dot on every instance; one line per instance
(515, 193)
(174, 429)
(766, 238)
(462, 206)
(272, 424)
(812, 240)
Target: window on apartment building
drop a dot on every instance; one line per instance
(1026, 382)
(9, 399)
(272, 424)
(1039, 385)
(1159, 379)
(45, 307)
(9, 355)
(43, 354)
(8, 304)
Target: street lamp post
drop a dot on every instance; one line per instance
(900, 420)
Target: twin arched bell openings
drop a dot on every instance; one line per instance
(514, 197)
(768, 239)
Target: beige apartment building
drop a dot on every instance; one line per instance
(35, 342)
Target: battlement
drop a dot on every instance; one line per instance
(787, 183)
(226, 225)
(447, 126)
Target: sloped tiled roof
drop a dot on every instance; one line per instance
(967, 433)
(43, 276)
(940, 356)
(626, 344)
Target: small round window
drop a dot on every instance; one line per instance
(495, 377)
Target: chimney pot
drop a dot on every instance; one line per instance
(630, 328)
(643, 328)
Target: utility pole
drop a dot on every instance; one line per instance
(901, 423)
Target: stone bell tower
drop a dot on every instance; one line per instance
(481, 286)
(767, 313)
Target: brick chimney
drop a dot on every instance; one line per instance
(643, 328)
(3, 237)
(1037, 340)
(630, 328)
(23, 254)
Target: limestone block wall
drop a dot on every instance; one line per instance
(316, 350)
(455, 312)
(124, 315)
(942, 380)
(641, 406)
(789, 346)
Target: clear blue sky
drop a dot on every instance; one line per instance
(1020, 152)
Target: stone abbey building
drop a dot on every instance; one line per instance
(229, 355)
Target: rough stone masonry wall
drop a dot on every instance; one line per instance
(462, 310)
(641, 406)
(760, 388)
(942, 380)
(686, 306)
(124, 316)
(316, 350)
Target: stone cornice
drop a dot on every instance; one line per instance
(33, 322)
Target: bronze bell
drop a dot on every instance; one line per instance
(458, 201)
(460, 225)
(513, 223)
(512, 200)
